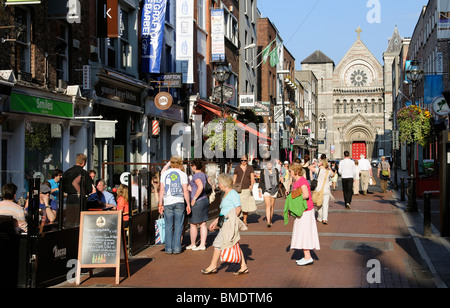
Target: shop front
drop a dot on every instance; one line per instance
(39, 135)
(120, 137)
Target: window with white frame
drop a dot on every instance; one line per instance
(201, 14)
(62, 52)
(231, 27)
(23, 40)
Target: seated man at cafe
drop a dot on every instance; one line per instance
(102, 199)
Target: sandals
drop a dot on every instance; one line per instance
(241, 272)
(206, 272)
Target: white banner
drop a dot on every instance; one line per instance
(185, 39)
(217, 35)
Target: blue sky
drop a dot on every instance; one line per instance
(329, 25)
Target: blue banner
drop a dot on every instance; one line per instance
(153, 17)
(433, 88)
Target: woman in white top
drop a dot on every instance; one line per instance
(324, 179)
(357, 177)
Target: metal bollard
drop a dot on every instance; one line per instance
(402, 189)
(427, 214)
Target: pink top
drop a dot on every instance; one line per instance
(300, 182)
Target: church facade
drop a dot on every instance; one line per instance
(354, 103)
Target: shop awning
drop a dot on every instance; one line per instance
(217, 111)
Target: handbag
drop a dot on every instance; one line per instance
(238, 187)
(208, 188)
(317, 196)
(296, 193)
(232, 254)
(220, 221)
(313, 184)
(160, 230)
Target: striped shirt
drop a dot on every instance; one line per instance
(9, 208)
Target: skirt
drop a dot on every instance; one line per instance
(199, 212)
(248, 203)
(304, 233)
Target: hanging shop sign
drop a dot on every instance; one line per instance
(163, 100)
(41, 106)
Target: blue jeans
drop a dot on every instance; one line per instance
(174, 218)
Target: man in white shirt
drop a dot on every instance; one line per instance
(366, 173)
(347, 171)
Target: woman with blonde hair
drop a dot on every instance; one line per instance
(172, 197)
(304, 232)
(323, 180)
(228, 236)
(123, 204)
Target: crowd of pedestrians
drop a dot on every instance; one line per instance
(180, 196)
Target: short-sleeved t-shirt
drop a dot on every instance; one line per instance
(173, 180)
(194, 187)
(300, 182)
(231, 200)
(247, 179)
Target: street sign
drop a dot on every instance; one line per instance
(395, 140)
(228, 92)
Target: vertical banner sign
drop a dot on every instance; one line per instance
(443, 8)
(153, 17)
(185, 39)
(217, 35)
(433, 88)
(86, 77)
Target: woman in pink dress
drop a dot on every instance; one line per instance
(304, 233)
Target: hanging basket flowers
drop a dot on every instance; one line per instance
(220, 134)
(414, 125)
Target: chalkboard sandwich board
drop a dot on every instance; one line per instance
(101, 235)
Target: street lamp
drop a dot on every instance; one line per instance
(414, 73)
(221, 74)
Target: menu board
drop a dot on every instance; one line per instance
(100, 240)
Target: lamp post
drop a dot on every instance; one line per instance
(414, 73)
(221, 74)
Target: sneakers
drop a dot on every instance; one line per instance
(191, 247)
(303, 262)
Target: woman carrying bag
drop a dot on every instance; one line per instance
(268, 187)
(228, 236)
(384, 173)
(322, 192)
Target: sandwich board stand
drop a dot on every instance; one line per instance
(100, 239)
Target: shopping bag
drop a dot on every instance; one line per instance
(231, 255)
(160, 230)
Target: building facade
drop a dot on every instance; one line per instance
(351, 106)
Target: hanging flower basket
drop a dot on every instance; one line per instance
(414, 125)
(220, 134)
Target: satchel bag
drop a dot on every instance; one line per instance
(296, 193)
(238, 187)
(160, 230)
(232, 254)
(317, 196)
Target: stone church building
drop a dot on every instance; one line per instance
(354, 101)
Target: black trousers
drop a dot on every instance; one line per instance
(347, 187)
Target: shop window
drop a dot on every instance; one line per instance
(43, 149)
(124, 40)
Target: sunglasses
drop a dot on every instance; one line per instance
(243, 160)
